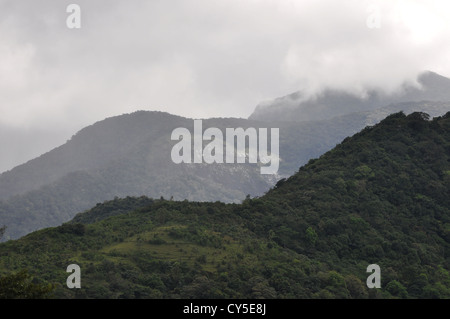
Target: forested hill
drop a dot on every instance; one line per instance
(380, 197)
(382, 193)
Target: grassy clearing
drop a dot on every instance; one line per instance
(161, 244)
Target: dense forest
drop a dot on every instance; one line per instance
(380, 197)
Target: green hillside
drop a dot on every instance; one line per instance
(380, 197)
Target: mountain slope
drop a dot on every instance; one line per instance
(120, 156)
(332, 103)
(20, 145)
(379, 197)
(129, 155)
(91, 148)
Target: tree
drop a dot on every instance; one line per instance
(311, 236)
(2, 231)
(20, 286)
(395, 288)
(355, 287)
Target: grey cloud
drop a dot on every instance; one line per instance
(203, 58)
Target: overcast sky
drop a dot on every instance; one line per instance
(204, 58)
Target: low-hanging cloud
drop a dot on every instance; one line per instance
(205, 58)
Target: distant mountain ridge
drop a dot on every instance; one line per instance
(129, 155)
(117, 157)
(332, 103)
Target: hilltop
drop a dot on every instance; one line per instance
(330, 103)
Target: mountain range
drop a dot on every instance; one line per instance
(129, 155)
(379, 197)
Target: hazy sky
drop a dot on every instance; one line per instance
(204, 58)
